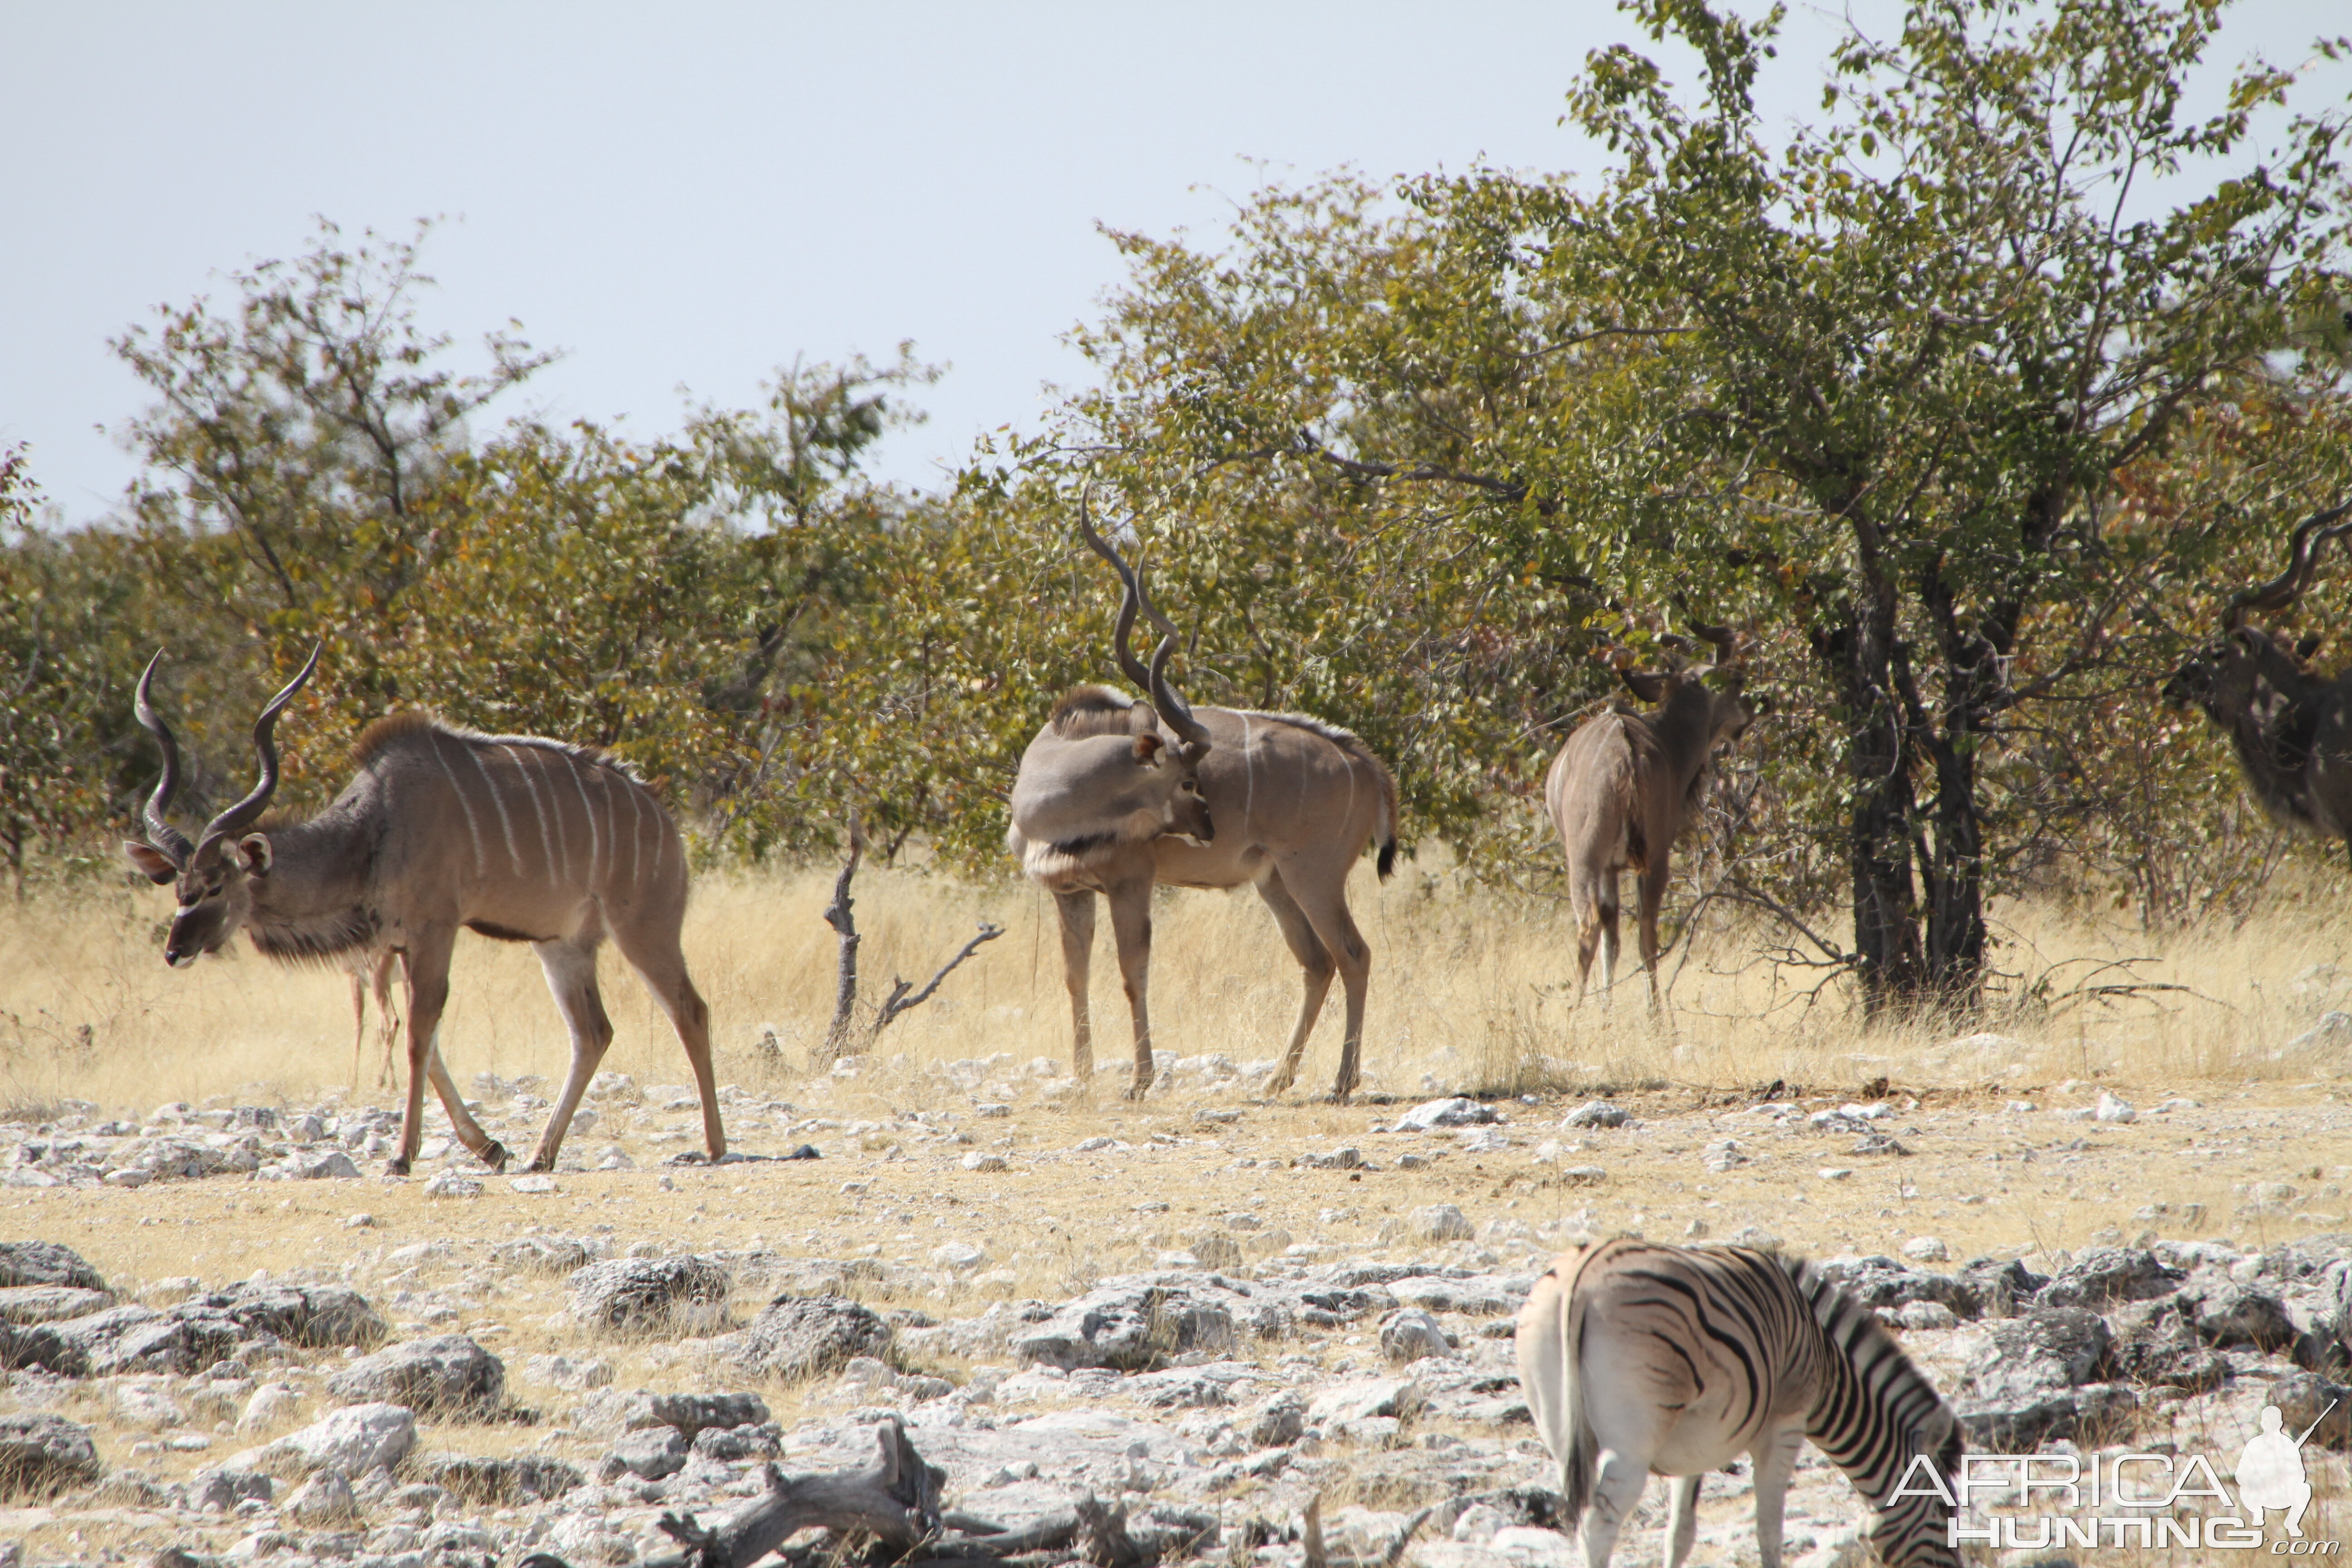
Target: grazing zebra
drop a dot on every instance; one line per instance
(1638, 1358)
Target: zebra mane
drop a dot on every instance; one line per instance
(1896, 1393)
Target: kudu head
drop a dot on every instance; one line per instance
(2244, 675)
(1178, 789)
(214, 876)
(1707, 698)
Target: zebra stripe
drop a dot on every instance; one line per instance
(1640, 1358)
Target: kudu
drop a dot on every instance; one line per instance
(1623, 787)
(514, 837)
(1115, 795)
(2292, 728)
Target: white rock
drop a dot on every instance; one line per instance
(354, 1440)
(2112, 1107)
(450, 1184)
(1441, 1221)
(1725, 1154)
(611, 1086)
(1481, 1140)
(1595, 1114)
(960, 1256)
(1925, 1315)
(1458, 1110)
(1836, 1172)
(1478, 1524)
(325, 1499)
(272, 1406)
(1926, 1249)
(535, 1182)
(979, 1161)
(566, 1372)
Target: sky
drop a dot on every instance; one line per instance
(684, 199)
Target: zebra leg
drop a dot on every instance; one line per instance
(1681, 1519)
(1616, 1493)
(1776, 1461)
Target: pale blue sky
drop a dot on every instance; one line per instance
(691, 195)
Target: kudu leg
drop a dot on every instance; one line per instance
(359, 1027)
(428, 993)
(662, 963)
(1317, 969)
(484, 1148)
(1653, 897)
(571, 976)
(1337, 928)
(1130, 926)
(387, 1021)
(1078, 912)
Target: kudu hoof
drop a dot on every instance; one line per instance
(397, 1166)
(496, 1157)
(1139, 1089)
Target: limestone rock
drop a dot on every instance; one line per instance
(1410, 1334)
(49, 1303)
(449, 1375)
(692, 1414)
(808, 1336)
(2100, 1275)
(324, 1500)
(354, 1440)
(1128, 1325)
(1441, 1221)
(500, 1483)
(650, 1295)
(2036, 1377)
(649, 1456)
(1458, 1110)
(45, 1263)
(41, 1455)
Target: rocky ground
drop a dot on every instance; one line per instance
(225, 1342)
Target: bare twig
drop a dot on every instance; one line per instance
(899, 1002)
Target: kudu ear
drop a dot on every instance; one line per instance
(1147, 750)
(1143, 719)
(253, 853)
(150, 862)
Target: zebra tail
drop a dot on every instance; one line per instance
(1582, 1460)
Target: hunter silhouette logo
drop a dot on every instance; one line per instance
(2133, 1499)
(2270, 1472)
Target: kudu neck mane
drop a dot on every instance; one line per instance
(312, 907)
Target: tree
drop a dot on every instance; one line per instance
(1874, 394)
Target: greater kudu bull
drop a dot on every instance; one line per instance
(1114, 796)
(517, 837)
(1623, 786)
(2292, 728)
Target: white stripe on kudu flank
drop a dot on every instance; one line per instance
(636, 828)
(587, 809)
(514, 855)
(546, 847)
(473, 828)
(1249, 772)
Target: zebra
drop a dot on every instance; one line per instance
(1639, 1358)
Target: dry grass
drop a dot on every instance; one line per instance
(1469, 990)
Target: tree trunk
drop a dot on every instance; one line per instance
(1858, 656)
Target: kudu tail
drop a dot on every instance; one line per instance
(1385, 830)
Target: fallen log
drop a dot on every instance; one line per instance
(895, 1499)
